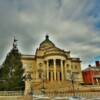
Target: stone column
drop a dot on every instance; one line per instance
(51, 76)
(47, 69)
(54, 69)
(62, 70)
(58, 76)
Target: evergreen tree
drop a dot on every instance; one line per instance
(12, 71)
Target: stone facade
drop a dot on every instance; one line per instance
(51, 66)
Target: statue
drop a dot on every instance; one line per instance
(28, 84)
(15, 43)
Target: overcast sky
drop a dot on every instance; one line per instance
(71, 24)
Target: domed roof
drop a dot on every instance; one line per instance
(47, 43)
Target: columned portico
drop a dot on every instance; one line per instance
(55, 74)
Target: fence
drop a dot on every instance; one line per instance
(11, 93)
(85, 94)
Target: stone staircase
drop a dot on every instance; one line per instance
(53, 85)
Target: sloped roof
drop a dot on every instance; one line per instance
(94, 68)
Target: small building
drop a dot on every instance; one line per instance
(91, 75)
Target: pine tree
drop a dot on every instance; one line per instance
(12, 71)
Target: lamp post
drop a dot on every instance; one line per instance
(71, 77)
(72, 81)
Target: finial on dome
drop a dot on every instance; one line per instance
(47, 37)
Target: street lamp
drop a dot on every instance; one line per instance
(72, 81)
(71, 77)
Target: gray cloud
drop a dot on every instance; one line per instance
(71, 25)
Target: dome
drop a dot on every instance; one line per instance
(46, 43)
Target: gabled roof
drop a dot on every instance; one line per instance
(93, 68)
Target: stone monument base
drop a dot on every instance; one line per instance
(28, 97)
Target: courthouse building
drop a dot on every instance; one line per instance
(52, 66)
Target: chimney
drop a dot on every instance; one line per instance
(97, 64)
